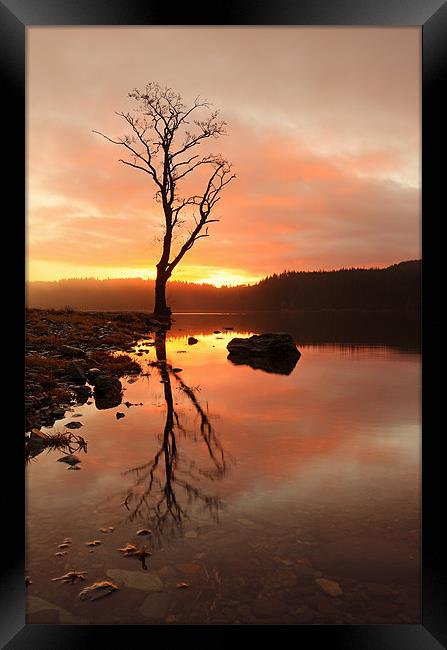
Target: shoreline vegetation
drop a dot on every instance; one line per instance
(395, 288)
(64, 346)
(61, 349)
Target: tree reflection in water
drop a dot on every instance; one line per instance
(167, 485)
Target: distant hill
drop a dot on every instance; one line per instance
(396, 287)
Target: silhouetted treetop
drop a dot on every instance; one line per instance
(162, 142)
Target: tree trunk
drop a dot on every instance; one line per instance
(161, 309)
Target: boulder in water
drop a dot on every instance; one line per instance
(272, 352)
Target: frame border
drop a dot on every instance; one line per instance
(431, 16)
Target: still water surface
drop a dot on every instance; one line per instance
(257, 487)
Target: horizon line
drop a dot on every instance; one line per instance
(210, 284)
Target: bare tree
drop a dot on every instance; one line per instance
(164, 139)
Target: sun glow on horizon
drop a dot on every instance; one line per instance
(48, 271)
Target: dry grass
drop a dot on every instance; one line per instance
(115, 364)
(63, 441)
(47, 330)
(43, 363)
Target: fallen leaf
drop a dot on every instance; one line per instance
(98, 590)
(71, 576)
(330, 586)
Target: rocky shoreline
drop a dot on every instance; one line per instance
(64, 349)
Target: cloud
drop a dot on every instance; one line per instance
(325, 149)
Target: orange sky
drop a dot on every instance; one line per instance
(323, 134)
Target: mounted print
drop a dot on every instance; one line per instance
(223, 413)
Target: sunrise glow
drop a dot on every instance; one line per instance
(323, 134)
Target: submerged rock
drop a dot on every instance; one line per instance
(155, 606)
(73, 425)
(108, 392)
(273, 352)
(36, 605)
(136, 579)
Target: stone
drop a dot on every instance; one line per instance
(107, 383)
(74, 372)
(192, 340)
(92, 373)
(82, 393)
(273, 352)
(108, 392)
(71, 352)
(164, 571)
(34, 604)
(73, 425)
(136, 579)
(58, 413)
(155, 606)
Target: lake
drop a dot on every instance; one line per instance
(271, 498)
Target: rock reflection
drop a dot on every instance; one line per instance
(267, 364)
(166, 486)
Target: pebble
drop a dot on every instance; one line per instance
(73, 425)
(155, 606)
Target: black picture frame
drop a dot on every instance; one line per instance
(431, 16)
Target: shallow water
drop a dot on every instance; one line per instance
(257, 487)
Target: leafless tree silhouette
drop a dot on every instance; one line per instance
(155, 493)
(163, 144)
